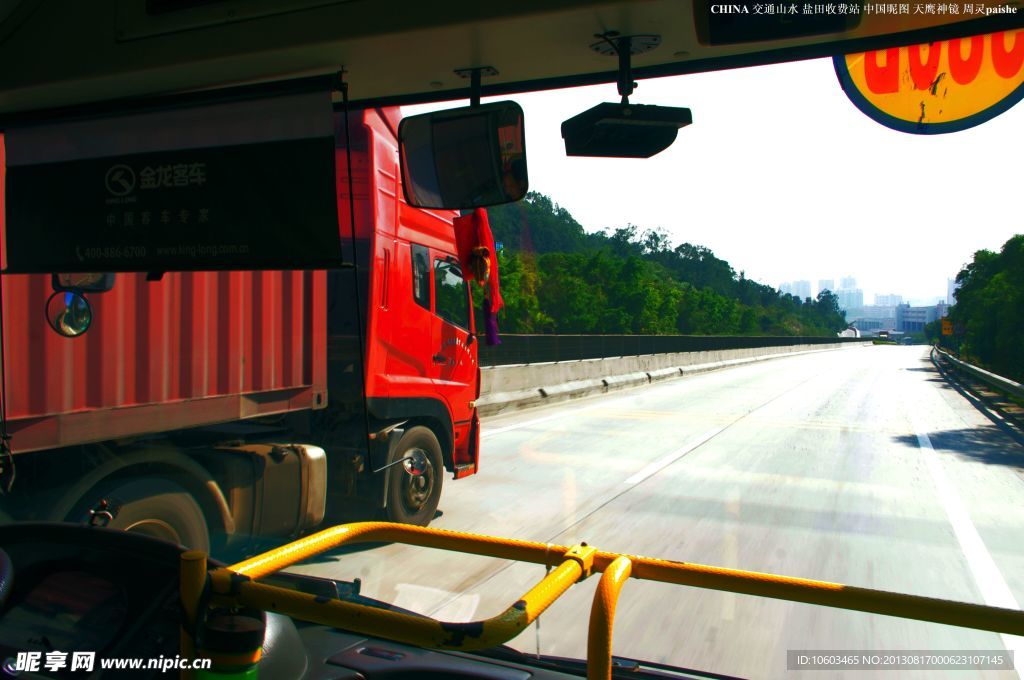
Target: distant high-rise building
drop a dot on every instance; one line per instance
(848, 283)
(786, 288)
(850, 299)
(951, 287)
(888, 300)
(876, 312)
(914, 319)
(802, 289)
(826, 284)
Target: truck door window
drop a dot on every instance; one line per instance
(450, 289)
(421, 276)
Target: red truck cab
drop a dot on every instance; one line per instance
(422, 354)
(421, 348)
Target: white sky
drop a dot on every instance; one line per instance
(783, 177)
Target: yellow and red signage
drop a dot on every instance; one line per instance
(938, 87)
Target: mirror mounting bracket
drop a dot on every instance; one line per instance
(338, 84)
(613, 44)
(475, 74)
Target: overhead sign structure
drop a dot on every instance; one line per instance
(947, 327)
(246, 184)
(939, 87)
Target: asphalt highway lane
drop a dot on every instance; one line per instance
(860, 466)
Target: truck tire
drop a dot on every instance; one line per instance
(157, 508)
(413, 500)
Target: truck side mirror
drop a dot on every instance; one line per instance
(464, 158)
(68, 313)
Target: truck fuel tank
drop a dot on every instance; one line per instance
(279, 490)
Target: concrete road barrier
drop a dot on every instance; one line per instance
(517, 386)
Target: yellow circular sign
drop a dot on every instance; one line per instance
(938, 87)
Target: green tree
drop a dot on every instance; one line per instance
(990, 308)
(558, 278)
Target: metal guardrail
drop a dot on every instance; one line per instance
(996, 381)
(535, 349)
(237, 585)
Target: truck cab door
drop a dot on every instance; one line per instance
(454, 346)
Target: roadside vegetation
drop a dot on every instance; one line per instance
(989, 312)
(557, 278)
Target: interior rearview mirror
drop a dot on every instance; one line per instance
(84, 283)
(464, 158)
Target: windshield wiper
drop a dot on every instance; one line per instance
(622, 668)
(331, 589)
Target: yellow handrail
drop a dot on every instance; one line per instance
(398, 626)
(602, 618)
(193, 577)
(236, 585)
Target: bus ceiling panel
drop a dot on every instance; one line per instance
(65, 54)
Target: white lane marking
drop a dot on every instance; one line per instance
(665, 461)
(525, 423)
(443, 605)
(994, 590)
(750, 479)
(569, 501)
(553, 416)
(731, 547)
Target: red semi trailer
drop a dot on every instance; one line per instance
(208, 408)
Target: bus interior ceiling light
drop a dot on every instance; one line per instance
(624, 130)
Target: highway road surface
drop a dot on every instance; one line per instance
(860, 466)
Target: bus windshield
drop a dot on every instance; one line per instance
(787, 343)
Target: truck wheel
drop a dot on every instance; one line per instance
(157, 508)
(413, 500)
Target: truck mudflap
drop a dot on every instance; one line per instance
(237, 585)
(387, 442)
(467, 460)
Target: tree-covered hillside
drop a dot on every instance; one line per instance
(989, 310)
(556, 278)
